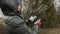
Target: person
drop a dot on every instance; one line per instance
(11, 10)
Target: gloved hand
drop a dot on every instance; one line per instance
(38, 23)
(32, 18)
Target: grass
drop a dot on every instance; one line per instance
(50, 31)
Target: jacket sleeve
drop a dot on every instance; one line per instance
(19, 27)
(28, 22)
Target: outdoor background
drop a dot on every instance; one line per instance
(46, 10)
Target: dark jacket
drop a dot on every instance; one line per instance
(16, 23)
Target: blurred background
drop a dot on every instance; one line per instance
(46, 10)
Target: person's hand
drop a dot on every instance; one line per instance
(32, 18)
(38, 23)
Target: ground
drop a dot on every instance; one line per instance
(50, 31)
